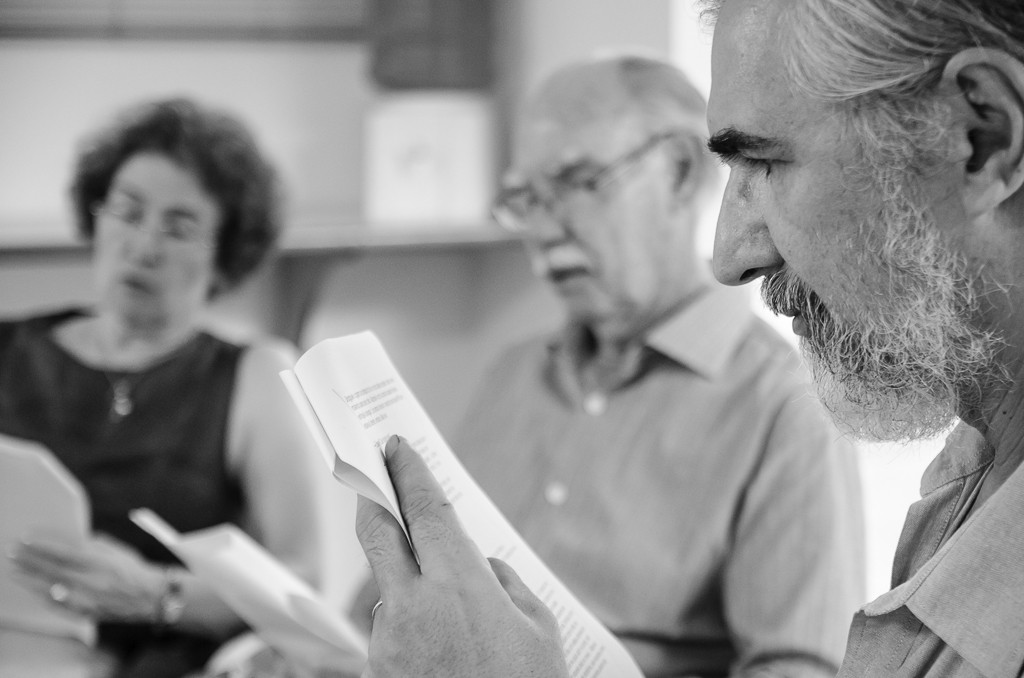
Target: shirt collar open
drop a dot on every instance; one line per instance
(705, 334)
(971, 592)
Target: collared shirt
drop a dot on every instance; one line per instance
(704, 510)
(957, 604)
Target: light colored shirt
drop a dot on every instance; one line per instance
(704, 510)
(957, 605)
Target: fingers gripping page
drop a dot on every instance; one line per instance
(352, 393)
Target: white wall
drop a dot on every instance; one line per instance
(555, 33)
(304, 102)
(443, 316)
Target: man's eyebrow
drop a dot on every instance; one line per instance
(730, 142)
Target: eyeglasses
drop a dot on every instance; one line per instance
(515, 206)
(175, 227)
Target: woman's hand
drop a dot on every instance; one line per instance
(453, 614)
(105, 580)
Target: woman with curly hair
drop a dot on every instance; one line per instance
(145, 406)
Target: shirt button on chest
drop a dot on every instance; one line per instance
(556, 493)
(595, 404)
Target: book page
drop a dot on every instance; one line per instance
(337, 423)
(38, 497)
(285, 611)
(379, 403)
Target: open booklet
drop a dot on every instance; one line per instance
(352, 399)
(285, 611)
(38, 498)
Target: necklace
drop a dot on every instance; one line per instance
(123, 383)
(121, 404)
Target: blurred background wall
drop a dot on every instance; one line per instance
(442, 309)
(444, 298)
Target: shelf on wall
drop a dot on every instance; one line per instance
(306, 237)
(184, 19)
(326, 238)
(310, 247)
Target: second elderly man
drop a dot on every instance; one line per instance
(661, 453)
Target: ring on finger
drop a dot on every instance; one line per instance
(373, 612)
(59, 592)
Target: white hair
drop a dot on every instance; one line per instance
(878, 60)
(846, 50)
(653, 92)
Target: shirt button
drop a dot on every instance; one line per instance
(556, 493)
(595, 404)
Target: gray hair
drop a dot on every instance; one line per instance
(625, 84)
(654, 93)
(667, 100)
(846, 50)
(878, 60)
(661, 91)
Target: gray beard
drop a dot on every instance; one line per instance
(910, 360)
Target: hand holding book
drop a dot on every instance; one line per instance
(429, 530)
(488, 611)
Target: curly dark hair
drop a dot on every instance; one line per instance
(221, 153)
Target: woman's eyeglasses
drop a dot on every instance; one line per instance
(178, 227)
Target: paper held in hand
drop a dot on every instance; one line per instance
(283, 610)
(38, 498)
(352, 399)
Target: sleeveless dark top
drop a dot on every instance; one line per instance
(167, 454)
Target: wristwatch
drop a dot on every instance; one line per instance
(172, 600)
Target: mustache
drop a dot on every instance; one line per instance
(836, 347)
(785, 294)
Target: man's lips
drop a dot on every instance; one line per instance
(562, 262)
(800, 326)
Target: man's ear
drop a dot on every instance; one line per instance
(988, 95)
(688, 161)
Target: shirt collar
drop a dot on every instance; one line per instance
(982, 621)
(965, 452)
(705, 334)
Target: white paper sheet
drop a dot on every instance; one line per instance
(359, 400)
(38, 497)
(285, 611)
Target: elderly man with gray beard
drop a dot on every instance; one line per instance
(877, 149)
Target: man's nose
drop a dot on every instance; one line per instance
(549, 225)
(744, 249)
